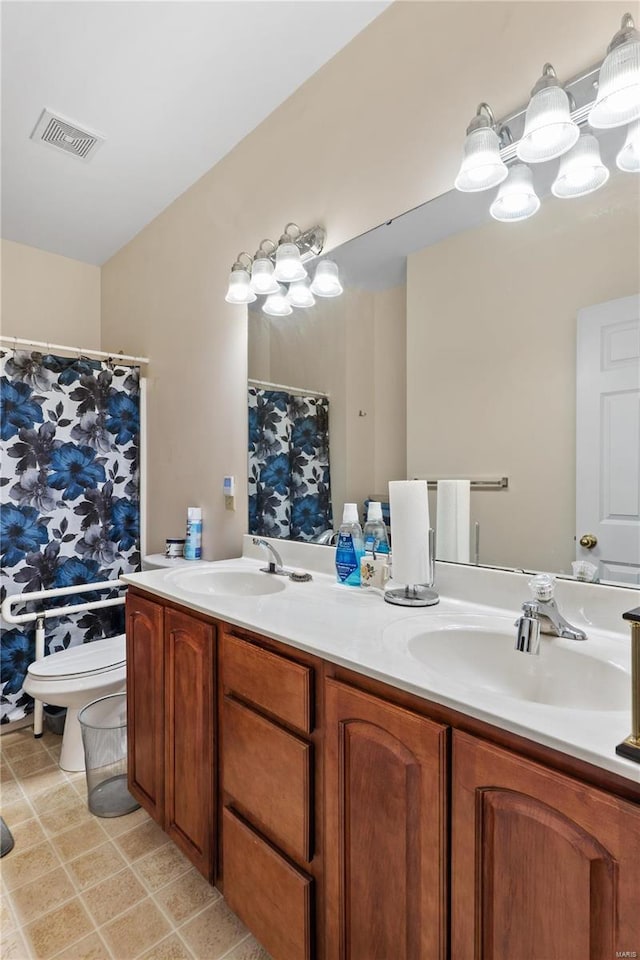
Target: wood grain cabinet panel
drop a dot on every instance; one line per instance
(544, 867)
(267, 892)
(267, 772)
(272, 683)
(386, 869)
(145, 704)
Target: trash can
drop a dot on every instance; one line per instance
(104, 737)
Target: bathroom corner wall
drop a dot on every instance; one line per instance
(48, 297)
(375, 132)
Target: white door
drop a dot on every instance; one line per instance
(608, 438)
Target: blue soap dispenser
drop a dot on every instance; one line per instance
(350, 547)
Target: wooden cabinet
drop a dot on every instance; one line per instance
(170, 717)
(386, 840)
(544, 866)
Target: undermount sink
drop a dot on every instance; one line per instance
(231, 583)
(478, 651)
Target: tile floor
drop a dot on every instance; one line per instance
(79, 887)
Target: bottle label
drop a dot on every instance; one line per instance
(347, 560)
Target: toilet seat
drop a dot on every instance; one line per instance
(83, 660)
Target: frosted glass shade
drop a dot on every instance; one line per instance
(262, 279)
(517, 198)
(481, 167)
(581, 170)
(277, 305)
(239, 289)
(549, 130)
(289, 266)
(628, 158)
(300, 294)
(618, 99)
(326, 282)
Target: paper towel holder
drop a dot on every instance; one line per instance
(417, 594)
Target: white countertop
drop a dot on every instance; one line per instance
(357, 629)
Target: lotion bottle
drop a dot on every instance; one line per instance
(193, 544)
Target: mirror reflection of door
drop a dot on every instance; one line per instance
(608, 439)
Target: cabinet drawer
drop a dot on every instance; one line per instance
(273, 683)
(267, 892)
(267, 771)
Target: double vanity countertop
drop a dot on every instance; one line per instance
(574, 697)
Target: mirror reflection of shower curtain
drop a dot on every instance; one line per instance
(289, 478)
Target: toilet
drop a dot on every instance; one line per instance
(74, 677)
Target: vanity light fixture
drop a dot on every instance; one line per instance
(262, 278)
(482, 166)
(289, 266)
(326, 282)
(300, 294)
(581, 169)
(618, 99)
(239, 289)
(628, 158)
(549, 130)
(277, 304)
(517, 198)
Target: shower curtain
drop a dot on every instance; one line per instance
(69, 496)
(289, 481)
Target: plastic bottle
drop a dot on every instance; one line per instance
(375, 532)
(350, 547)
(193, 544)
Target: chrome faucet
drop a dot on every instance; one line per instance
(327, 537)
(541, 615)
(275, 564)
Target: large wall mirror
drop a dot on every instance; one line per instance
(465, 348)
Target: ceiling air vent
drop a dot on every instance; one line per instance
(64, 134)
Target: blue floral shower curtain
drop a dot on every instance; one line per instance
(289, 480)
(69, 496)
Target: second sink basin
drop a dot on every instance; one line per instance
(479, 652)
(205, 581)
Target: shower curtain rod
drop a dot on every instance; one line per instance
(81, 351)
(282, 386)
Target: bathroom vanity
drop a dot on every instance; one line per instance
(352, 801)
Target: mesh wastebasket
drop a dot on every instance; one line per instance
(104, 736)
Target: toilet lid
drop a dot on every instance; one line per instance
(95, 657)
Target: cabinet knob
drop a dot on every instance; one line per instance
(588, 541)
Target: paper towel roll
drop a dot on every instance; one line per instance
(452, 520)
(409, 506)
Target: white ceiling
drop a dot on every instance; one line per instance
(173, 86)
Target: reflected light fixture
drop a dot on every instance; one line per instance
(276, 304)
(289, 266)
(262, 279)
(300, 294)
(326, 282)
(618, 99)
(549, 130)
(239, 289)
(517, 198)
(482, 166)
(628, 158)
(581, 169)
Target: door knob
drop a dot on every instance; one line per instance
(588, 541)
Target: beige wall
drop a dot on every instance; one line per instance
(48, 297)
(375, 132)
(491, 347)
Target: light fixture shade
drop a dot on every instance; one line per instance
(618, 99)
(549, 130)
(239, 289)
(326, 282)
(517, 198)
(482, 166)
(628, 158)
(581, 170)
(289, 266)
(262, 278)
(300, 294)
(276, 304)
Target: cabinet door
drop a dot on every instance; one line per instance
(385, 830)
(145, 704)
(190, 748)
(544, 867)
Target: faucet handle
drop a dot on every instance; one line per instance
(543, 586)
(528, 629)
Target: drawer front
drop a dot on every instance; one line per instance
(273, 683)
(267, 772)
(267, 892)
